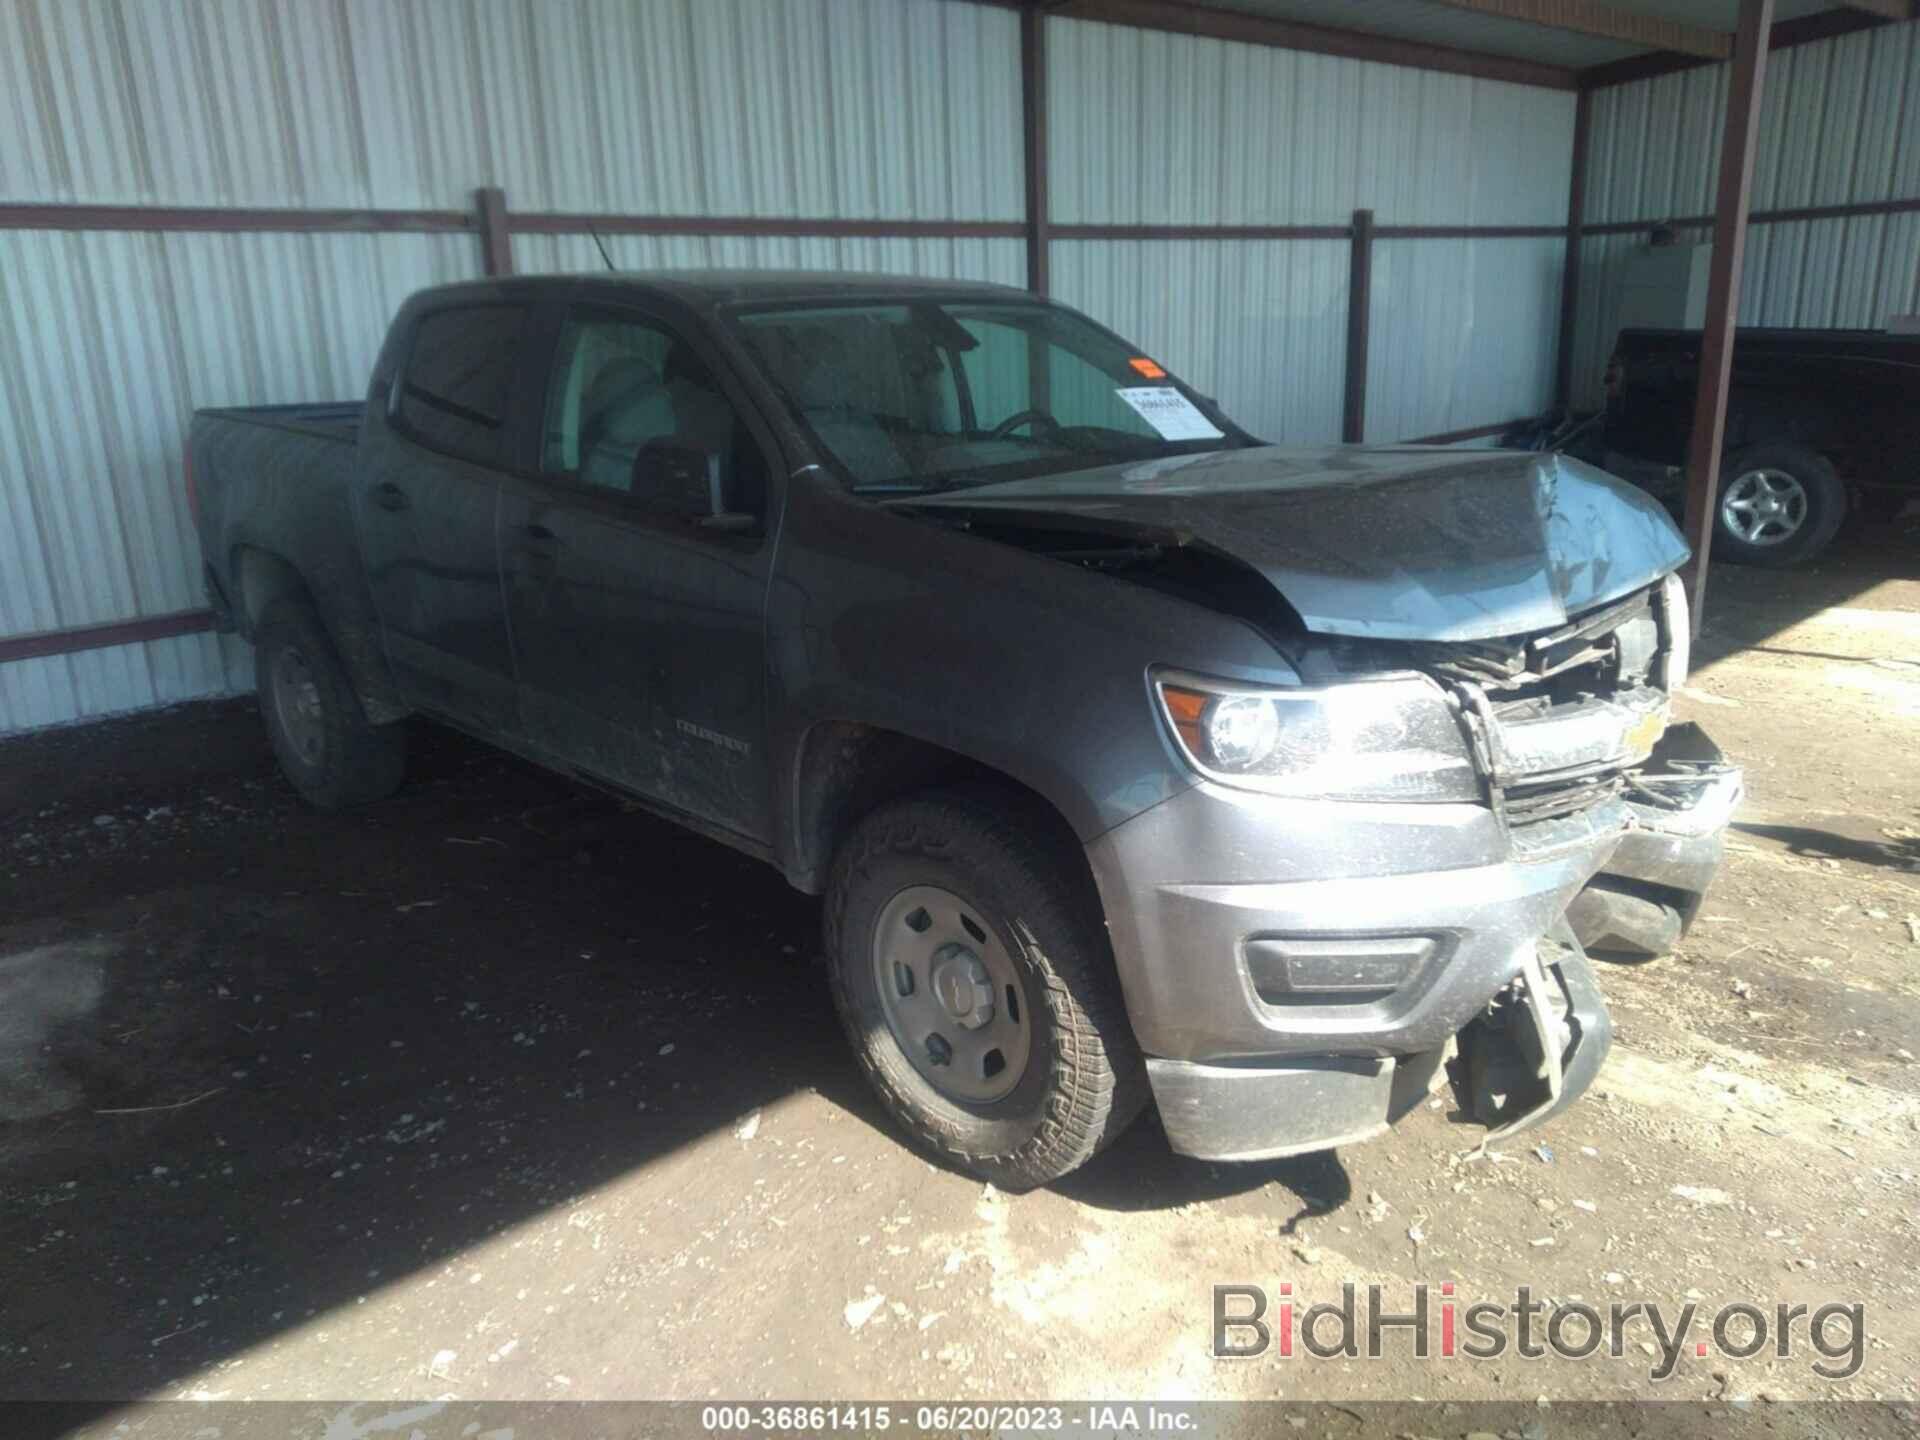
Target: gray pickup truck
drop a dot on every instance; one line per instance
(1133, 757)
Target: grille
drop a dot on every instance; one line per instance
(1559, 716)
(1524, 804)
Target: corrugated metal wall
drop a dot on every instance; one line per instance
(1838, 126)
(1148, 128)
(112, 340)
(825, 108)
(804, 109)
(895, 109)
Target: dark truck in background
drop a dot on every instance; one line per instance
(1820, 424)
(1133, 758)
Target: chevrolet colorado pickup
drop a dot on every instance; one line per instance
(1133, 757)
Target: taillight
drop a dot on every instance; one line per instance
(193, 495)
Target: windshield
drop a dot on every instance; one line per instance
(937, 395)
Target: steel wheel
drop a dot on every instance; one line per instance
(1764, 507)
(296, 704)
(950, 994)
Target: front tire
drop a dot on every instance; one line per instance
(326, 747)
(1779, 505)
(971, 969)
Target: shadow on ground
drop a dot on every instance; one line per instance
(315, 1053)
(1826, 845)
(1746, 606)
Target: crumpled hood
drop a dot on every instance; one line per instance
(1391, 542)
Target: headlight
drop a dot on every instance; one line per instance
(1679, 627)
(1368, 740)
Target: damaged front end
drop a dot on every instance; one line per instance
(1577, 721)
(1541, 1040)
(1571, 731)
(1302, 968)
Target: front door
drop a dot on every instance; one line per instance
(426, 499)
(637, 630)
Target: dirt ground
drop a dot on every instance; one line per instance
(500, 1090)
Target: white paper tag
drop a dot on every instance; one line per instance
(1169, 412)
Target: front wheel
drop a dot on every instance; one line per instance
(1779, 505)
(972, 971)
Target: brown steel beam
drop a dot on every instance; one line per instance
(143, 219)
(1467, 232)
(1353, 424)
(1033, 127)
(1214, 24)
(1201, 232)
(496, 240)
(101, 637)
(521, 222)
(1803, 30)
(1738, 144)
(1761, 217)
(1570, 273)
(1608, 22)
(1885, 9)
(139, 218)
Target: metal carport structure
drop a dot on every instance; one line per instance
(1376, 220)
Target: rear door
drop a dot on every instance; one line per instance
(427, 496)
(637, 631)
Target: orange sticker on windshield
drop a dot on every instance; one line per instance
(1147, 368)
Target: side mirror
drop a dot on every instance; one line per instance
(685, 480)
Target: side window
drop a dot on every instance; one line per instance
(454, 391)
(623, 388)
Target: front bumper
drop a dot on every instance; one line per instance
(1298, 971)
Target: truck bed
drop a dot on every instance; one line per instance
(330, 420)
(1850, 395)
(271, 486)
(1764, 341)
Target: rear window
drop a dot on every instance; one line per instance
(454, 393)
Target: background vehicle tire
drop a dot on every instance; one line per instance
(1779, 505)
(959, 927)
(320, 735)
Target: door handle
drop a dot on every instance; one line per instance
(389, 496)
(538, 547)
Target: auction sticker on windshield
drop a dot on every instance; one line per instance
(1170, 413)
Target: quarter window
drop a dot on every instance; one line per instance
(454, 393)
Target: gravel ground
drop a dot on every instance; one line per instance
(501, 1090)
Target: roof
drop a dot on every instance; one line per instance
(1482, 29)
(705, 289)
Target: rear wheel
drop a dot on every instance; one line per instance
(1779, 505)
(325, 745)
(972, 971)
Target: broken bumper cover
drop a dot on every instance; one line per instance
(1299, 997)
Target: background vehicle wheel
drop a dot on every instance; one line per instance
(320, 735)
(1779, 505)
(971, 968)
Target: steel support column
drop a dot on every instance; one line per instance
(1353, 426)
(1737, 146)
(1570, 274)
(1033, 118)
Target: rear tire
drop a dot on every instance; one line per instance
(325, 745)
(1779, 505)
(990, 936)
